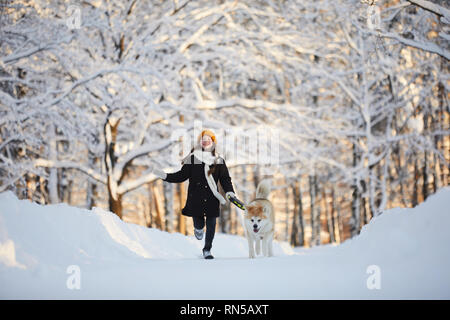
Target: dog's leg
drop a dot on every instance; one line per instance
(251, 250)
(258, 245)
(264, 246)
(269, 240)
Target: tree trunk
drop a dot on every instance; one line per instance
(181, 193)
(235, 221)
(110, 133)
(330, 218)
(168, 206)
(30, 185)
(318, 222)
(91, 187)
(115, 204)
(158, 206)
(151, 204)
(315, 212)
(436, 172)
(356, 197)
(181, 217)
(443, 120)
(53, 155)
(364, 210)
(335, 215)
(286, 198)
(43, 192)
(294, 232)
(425, 158)
(399, 169)
(301, 234)
(415, 197)
(355, 221)
(225, 218)
(435, 125)
(339, 222)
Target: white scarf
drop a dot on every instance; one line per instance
(208, 159)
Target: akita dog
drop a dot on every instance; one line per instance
(260, 221)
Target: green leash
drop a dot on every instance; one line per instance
(236, 202)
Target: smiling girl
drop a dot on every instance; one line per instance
(204, 169)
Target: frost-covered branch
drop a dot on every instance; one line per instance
(71, 165)
(432, 7)
(425, 46)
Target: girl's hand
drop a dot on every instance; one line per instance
(230, 194)
(234, 200)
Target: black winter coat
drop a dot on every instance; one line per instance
(200, 199)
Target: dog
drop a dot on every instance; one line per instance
(259, 222)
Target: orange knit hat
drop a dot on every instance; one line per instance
(209, 133)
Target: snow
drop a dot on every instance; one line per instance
(42, 248)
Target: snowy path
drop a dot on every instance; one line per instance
(408, 247)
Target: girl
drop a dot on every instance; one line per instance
(203, 169)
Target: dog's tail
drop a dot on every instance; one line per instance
(263, 189)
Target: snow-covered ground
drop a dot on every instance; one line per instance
(63, 252)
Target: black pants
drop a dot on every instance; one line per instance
(199, 223)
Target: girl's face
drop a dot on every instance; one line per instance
(206, 141)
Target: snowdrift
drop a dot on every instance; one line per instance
(401, 254)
